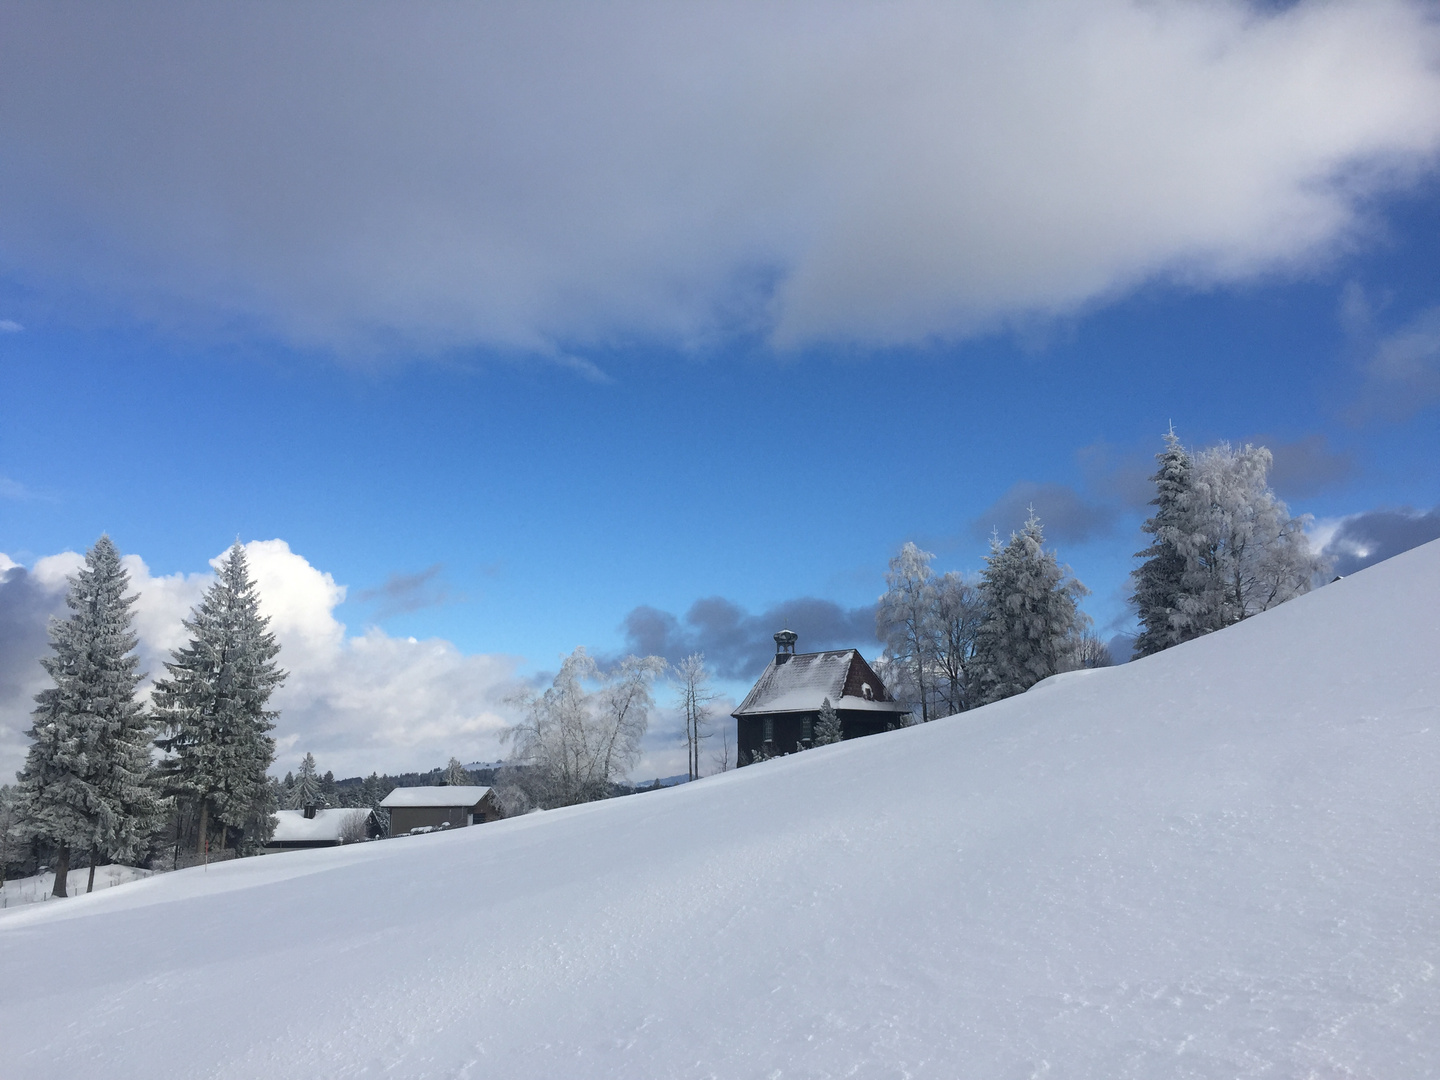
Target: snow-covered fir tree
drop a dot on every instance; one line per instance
(827, 725)
(12, 825)
(374, 789)
(86, 780)
(1032, 618)
(213, 707)
(456, 774)
(305, 791)
(1159, 583)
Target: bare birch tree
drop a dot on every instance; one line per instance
(694, 703)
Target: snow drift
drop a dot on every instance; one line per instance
(1220, 861)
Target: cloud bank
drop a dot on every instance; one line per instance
(550, 177)
(357, 702)
(737, 644)
(1360, 540)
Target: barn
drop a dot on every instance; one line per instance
(444, 807)
(779, 713)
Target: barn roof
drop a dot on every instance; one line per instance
(293, 827)
(444, 797)
(804, 681)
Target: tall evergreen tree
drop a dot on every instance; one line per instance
(456, 774)
(306, 789)
(213, 709)
(827, 725)
(1032, 618)
(1159, 584)
(86, 776)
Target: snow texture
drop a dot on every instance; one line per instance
(1219, 861)
(434, 796)
(293, 827)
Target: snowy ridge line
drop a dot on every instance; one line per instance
(1222, 860)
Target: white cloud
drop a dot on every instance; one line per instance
(544, 178)
(357, 702)
(10, 326)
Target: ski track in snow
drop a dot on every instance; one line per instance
(1222, 861)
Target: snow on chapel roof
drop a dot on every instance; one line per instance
(455, 795)
(804, 681)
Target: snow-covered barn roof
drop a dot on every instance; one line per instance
(456, 795)
(804, 681)
(294, 827)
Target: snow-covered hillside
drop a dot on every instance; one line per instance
(1221, 861)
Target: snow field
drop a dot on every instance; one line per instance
(1220, 861)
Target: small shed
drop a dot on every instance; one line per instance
(321, 827)
(444, 807)
(780, 712)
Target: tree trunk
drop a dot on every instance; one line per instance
(62, 870)
(204, 827)
(94, 858)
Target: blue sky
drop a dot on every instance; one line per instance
(519, 408)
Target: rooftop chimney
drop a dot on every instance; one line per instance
(310, 809)
(784, 646)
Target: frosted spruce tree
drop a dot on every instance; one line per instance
(306, 789)
(213, 710)
(1158, 585)
(827, 726)
(456, 774)
(1244, 553)
(1032, 619)
(86, 781)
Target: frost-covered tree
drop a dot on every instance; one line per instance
(86, 779)
(1243, 551)
(582, 735)
(456, 775)
(1032, 617)
(213, 708)
(12, 825)
(305, 790)
(694, 700)
(1225, 547)
(1159, 583)
(1091, 652)
(905, 621)
(827, 725)
(959, 611)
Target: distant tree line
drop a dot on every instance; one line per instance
(1224, 548)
